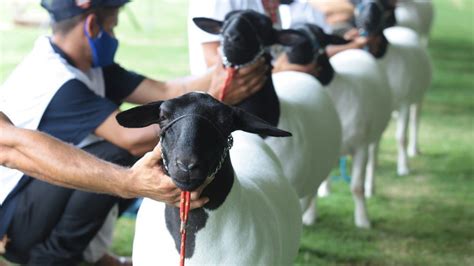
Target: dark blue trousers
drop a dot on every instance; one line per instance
(53, 225)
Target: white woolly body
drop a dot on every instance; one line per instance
(258, 224)
(408, 68)
(407, 65)
(362, 98)
(417, 15)
(307, 111)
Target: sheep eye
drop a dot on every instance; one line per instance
(164, 114)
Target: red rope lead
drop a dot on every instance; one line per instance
(183, 215)
(185, 202)
(228, 80)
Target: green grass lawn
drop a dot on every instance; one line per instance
(426, 218)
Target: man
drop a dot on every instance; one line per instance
(53, 161)
(70, 88)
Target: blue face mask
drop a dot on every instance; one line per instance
(103, 48)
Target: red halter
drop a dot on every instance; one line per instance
(183, 215)
(185, 202)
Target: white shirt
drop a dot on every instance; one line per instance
(300, 11)
(215, 9)
(27, 92)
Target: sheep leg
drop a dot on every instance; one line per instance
(370, 171)
(413, 149)
(325, 188)
(402, 125)
(359, 165)
(310, 212)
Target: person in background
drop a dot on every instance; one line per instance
(203, 47)
(70, 87)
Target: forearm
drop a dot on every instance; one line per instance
(50, 160)
(192, 83)
(153, 90)
(332, 50)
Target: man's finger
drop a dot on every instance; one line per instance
(254, 85)
(258, 74)
(198, 203)
(253, 67)
(196, 194)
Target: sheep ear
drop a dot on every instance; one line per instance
(252, 124)
(140, 116)
(208, 25)
(289, 37)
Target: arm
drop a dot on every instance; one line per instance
(282, 64)
(137, 141)
(210, 53)
(357, 43)
(335, 11)
(53, 161)
(246, 82)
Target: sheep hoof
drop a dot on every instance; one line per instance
(363, 223)
(309, 217)
(403, 171)
(368, 193)
(413, 153)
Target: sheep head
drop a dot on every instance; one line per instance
(313, 44)
(195, 129)
(245, 33)
(373, 16)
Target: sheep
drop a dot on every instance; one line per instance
(253, 216)
(417, 15)
(409, 71)
(246, 36)
(302, 106)
(311, 153)
(362, 99)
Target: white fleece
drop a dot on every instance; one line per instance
(417, 15)
(362, 98)
(407, 66)
(307, 111)
(258, 224)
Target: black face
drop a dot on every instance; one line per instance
(195, 128)
(376, 15)
(193, 145)
(244, 33)
(315, 41)
(390, 19)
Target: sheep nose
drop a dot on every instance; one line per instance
(186, 167)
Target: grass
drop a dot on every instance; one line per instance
(426, 218)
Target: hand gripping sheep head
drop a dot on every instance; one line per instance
(245, 34)
(195, 134)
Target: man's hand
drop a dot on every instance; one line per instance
(283, 64)
(246, 81)
(360, 42)
(4, 120)
(351, 34)
(149, 180)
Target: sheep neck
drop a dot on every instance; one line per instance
(324, 69)
(264, 103)
(217, 192)
(378, 47)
